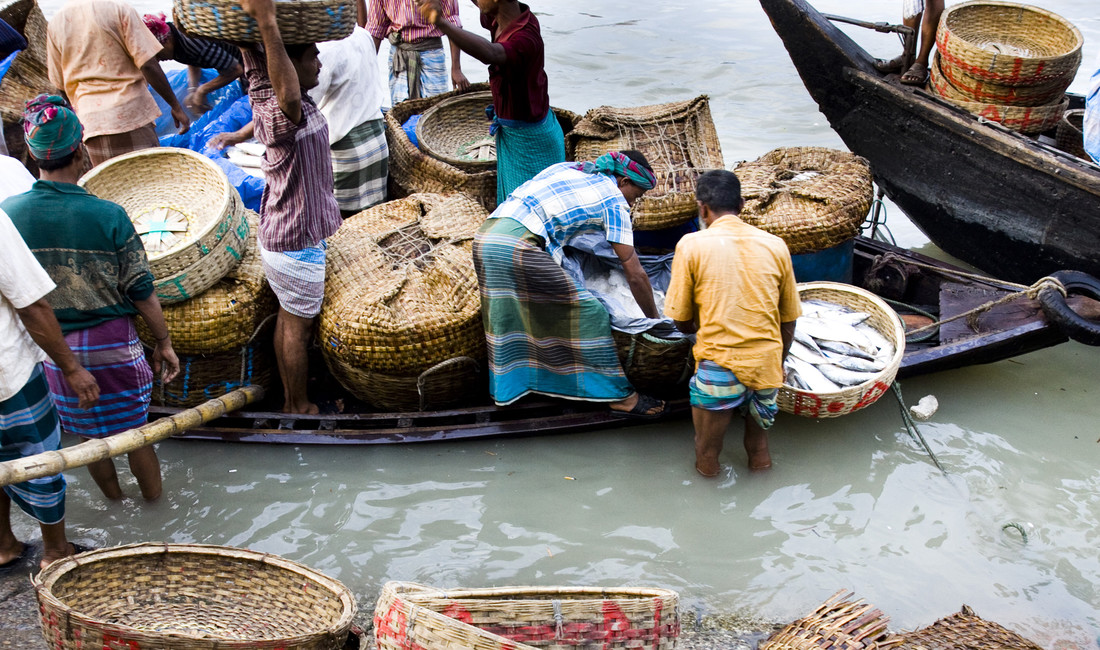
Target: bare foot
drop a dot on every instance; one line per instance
(760, 461)
(307, 408)
(12, 552)
(707, 468)
(49, 556)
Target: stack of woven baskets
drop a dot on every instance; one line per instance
(200, 241)
(301, 21)
(1007, 62)
(678, 139)
(400, 326)
(26, 77)
(523, 618)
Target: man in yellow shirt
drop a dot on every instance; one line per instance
(733, 286)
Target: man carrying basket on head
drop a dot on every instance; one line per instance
(298, 210)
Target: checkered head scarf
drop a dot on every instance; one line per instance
(619, 164)
(51, 128)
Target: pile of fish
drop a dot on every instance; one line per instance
(615, 289)
(834, 347)
(248, 156)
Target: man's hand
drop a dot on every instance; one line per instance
(180, 117)
(196, 102)
(223, 140)
(459, 80)
(257, 8)
(430, 10)
(166, 365)
(84, 385)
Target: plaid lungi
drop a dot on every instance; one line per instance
(113, 354)
(29, 426)
(297, 278)
(524, 149)
(360, 164)
(715, 388)
(104, 147)
(546, 334)
(434, 76)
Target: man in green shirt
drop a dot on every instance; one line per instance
(91, 251)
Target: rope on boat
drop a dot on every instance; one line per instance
(54, 462)
(1021, 290)
(911, 426)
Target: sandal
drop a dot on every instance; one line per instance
(887, 66)
(916, 75)
(17, 559)
(642, 408)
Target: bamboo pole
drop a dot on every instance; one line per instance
(90, 451)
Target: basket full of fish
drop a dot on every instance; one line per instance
(846, 351)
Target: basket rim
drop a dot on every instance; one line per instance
(466, 97)
(1079, 38)
(899, 336)
(227, 202)
(45, 579)
(416, 590)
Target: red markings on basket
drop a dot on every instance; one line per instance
(811, 405)
(118, 643)
(457, 612)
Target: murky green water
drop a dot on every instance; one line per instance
(851, 503)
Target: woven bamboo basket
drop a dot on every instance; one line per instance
(26, 78)
(401, 294)
(1008, 43)
(951, 83)
(812, 197)
(561, 618)
(1069, 135)
(402, 625)
(655, 365)
(161, 184)
(190, 597)
(678, 139)
(224, 317)
(852, 398)
(964, 631)
(300, 21)
(1029, 120)
(207, 376)
(446, 130)
(840, 623)
(414, 171)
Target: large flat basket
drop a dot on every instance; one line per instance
(300, 21)
(852, 398)
(190, 597)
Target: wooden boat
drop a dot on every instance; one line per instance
(1011, 205)
(922, 283)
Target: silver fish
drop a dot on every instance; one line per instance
(830, 311)
(791, 378)
(811, 376)
(823, 329)
(805, 339)
(857, 364)
(843, 376)
(801, 351)
(843, 348)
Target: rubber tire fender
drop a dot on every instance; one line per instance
(1059, 312)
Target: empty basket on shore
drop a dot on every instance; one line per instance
(850, 398)
(678, 139)
(400, 326)
(558, 618)
(300, 21)
(187, 214)
(190, 597)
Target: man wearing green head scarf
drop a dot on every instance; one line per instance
(91, 251)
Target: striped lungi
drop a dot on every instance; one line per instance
(104, 147)
(546, 334)
(524, 149)
(360, 164)
(715, 388)
(113, 354)
(29, 426)
(434, 76)
(297, 278)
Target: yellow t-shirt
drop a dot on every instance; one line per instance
(737, 282)
(94, 52)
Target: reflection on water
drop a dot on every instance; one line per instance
(851, 503)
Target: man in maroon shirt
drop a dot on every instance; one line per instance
(298, 209)
(528, 136)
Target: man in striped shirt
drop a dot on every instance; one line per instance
(298, 210)
(197, 54)
(418, 66)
